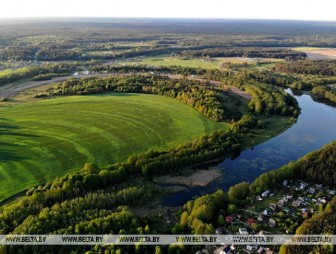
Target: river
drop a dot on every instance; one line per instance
(316, 126)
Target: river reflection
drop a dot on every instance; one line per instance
(316, 126)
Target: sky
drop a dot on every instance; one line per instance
(237, 9)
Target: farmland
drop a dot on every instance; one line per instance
(169, 61)
(205, 63)
(318, 53)
(48, 138)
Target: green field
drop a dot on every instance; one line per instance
(169, 61)
(207, 63)
(43, 139)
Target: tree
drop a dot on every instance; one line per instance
(232, 209)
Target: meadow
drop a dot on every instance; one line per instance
(206, 63)
(315, 53)
(169, 61)
(44, 139)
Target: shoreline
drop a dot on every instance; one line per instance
(198, 178)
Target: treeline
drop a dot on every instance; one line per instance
(322, 68)
(319, 86)
(269, 100)
(184, 71)
(198, 214)
(43, 72)
(43, 53)
(325, 92)
(317, 167)
(267, 77)
(204, 98)
(282, 53)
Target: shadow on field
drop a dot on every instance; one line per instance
(8, 155)
(7, 150)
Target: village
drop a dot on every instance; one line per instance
(278, 211)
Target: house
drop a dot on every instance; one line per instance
(230, 218)
(318, 187)
(285, 183)
(222, 250)
(304, 214)
(261, 232)
(226, 250)
(303, 185)
(259, 198)
(296, 203)
(272, 206)
(322, 200)
(272, 223)
(219, 231)
(260, 217)
(284, 199)
(250, 221)
(311, 190)
(268, 251)
(300, 199)
(243, 231)
(280, 203)
(249, 248)
(289, 196)
(266, 212)
(265, 193)
(332, 192)
(261, 250)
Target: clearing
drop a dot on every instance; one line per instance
(47, 138)
(318, 53)
(212, 63)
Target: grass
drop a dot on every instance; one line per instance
(274, 126)
(211, 63)
(47, 138)
(241, 60)
(306, 49)
(318, 53)
(169, 61)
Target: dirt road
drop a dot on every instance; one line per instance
(13, 90)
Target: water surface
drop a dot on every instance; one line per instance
(316, 126)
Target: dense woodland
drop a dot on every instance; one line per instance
(282, 53)
(71, 39)
(321, 223)
(322, 68)
(43, 72)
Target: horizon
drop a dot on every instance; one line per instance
(76, 18)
